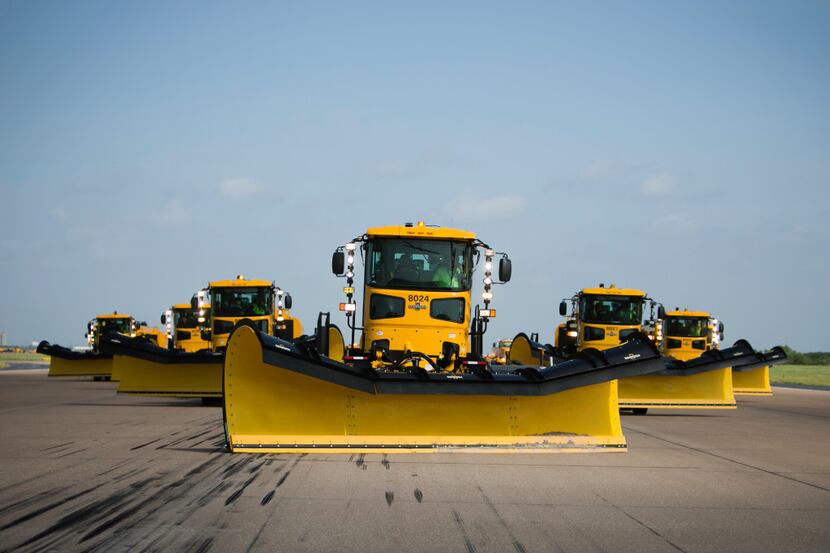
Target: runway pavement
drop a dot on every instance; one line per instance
(84, 469)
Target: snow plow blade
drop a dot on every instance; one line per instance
(282, 397)
(145, 369)
(704, 382)
(66, 362)
(752, 379)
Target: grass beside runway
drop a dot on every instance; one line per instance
(7, 357)
(804, 375)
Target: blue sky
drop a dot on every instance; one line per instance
(682, 148)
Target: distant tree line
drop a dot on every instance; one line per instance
(811, 358)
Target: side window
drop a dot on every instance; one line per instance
(448, 309)
(385, 307)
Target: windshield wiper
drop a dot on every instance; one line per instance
(419, 248)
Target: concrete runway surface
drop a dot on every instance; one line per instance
(84, 469)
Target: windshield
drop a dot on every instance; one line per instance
(121, 326)
(505, 343)
(189, 318)
(687, 327)
(419, 264)
(242, 302)
(620, 310)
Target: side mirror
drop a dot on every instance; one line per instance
(563, 308)
(286, 301)
(661, 312)
(163, 319)
(338, 263)
(89, 327)
(720, 328)
(505, 269)
(194, 303)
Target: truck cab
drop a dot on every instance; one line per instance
(601, 318)
(114, 322)
(685, 334)
(500, 352)
(417, 293)
(259, 301)
(185, 325)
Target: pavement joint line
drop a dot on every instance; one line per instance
(517, 545)
(723, 457)
(643, 524)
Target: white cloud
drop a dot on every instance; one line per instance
(174, 212)
(605, 169)
(500, 206)
(240, 188)
(675, 221)
(658, 185)
(60, 213)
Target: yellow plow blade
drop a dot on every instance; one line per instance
(704, 382)
(65, 362)
(279, 400)
(148, 370)
(706, 390)
(753, 378)
(754, 382)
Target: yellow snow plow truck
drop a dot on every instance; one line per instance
(692, 339)
(192, 367)
(415, 378)
(92, 361)
(696, 375)
(184, 324)
(683, 336)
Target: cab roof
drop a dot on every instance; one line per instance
(612, 290)
(687, 313)
(188, 306)
(239, 281)
(421, 230)
(114, 316)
